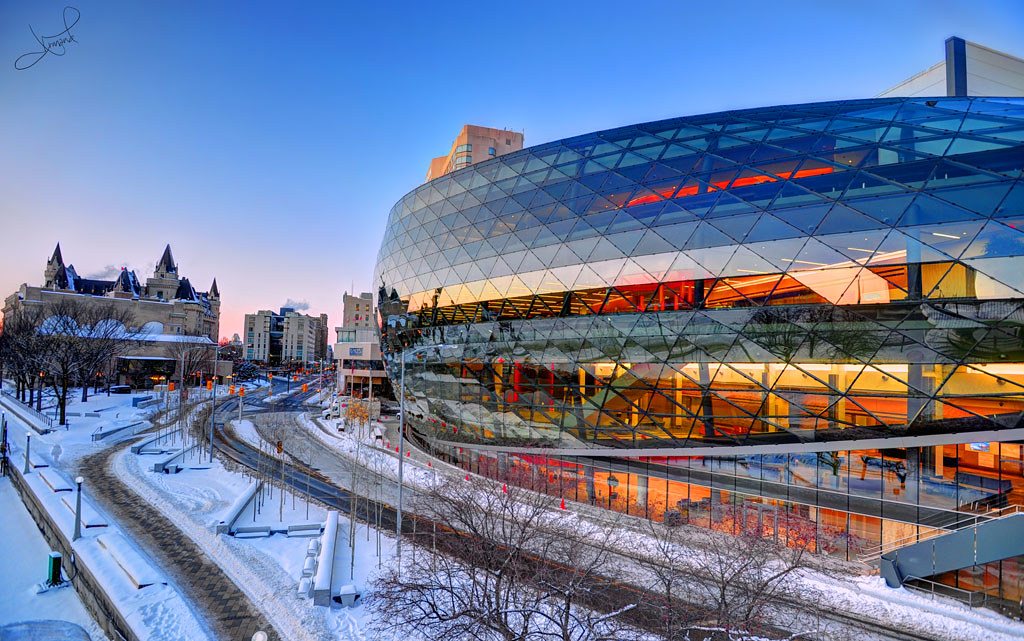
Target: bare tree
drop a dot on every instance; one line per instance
(20, 347)
(61, 352)
(738, 578)
(497, 573)
(105, 335)
(276, 433)
(190, 359)
(579, 603)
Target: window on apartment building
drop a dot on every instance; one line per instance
(491, 151)
(508, 141)
(462, 148)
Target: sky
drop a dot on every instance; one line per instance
(267, 142)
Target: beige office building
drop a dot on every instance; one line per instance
(282, 338)
(475, 144)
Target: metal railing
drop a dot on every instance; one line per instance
(974, 599)
(43, 418)
(873, 554)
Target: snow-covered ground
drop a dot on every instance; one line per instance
(267, 569)
(155, 611)
(23, 566)
(866, 597)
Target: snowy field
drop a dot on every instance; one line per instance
(267, 569)
(23, 566)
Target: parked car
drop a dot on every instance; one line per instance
(120, 389)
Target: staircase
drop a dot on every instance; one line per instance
(997, 536)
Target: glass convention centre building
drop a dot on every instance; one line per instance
(809, 317)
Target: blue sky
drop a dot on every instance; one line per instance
(266, 142)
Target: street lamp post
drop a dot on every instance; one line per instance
(213, 414)
(401, 447)
(78, 510)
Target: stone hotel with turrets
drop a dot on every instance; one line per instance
(167, 311)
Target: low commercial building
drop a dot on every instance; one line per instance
(357, 352)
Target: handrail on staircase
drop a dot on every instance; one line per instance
(874, 553)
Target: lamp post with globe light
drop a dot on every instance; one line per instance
(78, 509)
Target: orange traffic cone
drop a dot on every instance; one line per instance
(504, 488)
(563, 504)
(467, 477)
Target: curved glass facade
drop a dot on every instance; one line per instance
(719, 308)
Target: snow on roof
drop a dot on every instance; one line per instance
(145, 358)
(176, 338)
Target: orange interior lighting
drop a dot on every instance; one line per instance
(739, 182)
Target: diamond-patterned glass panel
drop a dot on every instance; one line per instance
(791, 277)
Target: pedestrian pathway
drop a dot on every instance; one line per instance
(220, 602)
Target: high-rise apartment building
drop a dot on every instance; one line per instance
(285, 337)
(321, 337)
(475, 144)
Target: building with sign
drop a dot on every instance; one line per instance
(357, 352)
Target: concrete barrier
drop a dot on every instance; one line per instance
(164, 465)
(236, 509)
(325, 562)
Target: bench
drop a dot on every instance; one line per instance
(90, 517)
(139, 571)
(305, 529)
(55, 481)
(252, 531)
(164, 465)
(103, 432)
